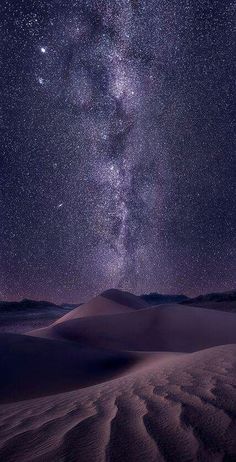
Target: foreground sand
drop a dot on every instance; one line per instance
(181, 410)
(149, 384)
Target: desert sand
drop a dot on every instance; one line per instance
(117, 380)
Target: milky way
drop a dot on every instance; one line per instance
(118, 159)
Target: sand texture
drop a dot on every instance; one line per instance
(121, 381)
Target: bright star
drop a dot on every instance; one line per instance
(43, 50)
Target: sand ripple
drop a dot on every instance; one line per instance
(181, 410)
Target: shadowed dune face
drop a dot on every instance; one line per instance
(125, 298)
(32, 367)
(183, 410)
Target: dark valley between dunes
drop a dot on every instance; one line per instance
(118, 379)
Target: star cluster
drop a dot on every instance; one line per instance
(118, 147)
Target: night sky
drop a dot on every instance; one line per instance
(118, 164)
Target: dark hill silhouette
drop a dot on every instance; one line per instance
(223, 301)
(154, 298)
(27, 304)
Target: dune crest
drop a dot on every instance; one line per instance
(109, 302)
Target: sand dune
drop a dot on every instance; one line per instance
(176, 328)
(31, 366)
(142, 390)
(183, 410)
(109, 302)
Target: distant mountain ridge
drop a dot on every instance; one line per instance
(154, 298)
(27, 304)
(33, 305)
(217, 297)
(223, 301)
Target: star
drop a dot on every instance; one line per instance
(122, 146)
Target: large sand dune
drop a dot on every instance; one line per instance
(149, 384)
(109, 302)
(178, 328)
